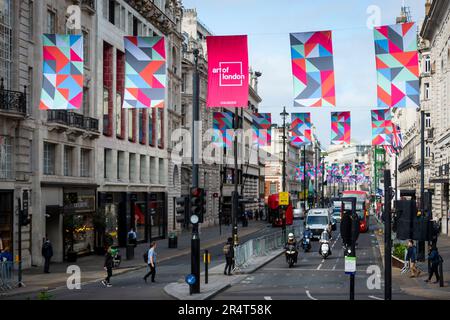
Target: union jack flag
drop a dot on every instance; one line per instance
(397, 141)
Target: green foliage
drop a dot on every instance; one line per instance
(44, 295)
(399, 250)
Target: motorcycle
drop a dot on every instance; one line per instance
(324, 245)
(306, 243)
(291, 253)
(325, 249)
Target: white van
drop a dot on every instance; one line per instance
(318, 220)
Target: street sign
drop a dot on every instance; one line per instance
(283, 198)
(190, 279)
(350, 265)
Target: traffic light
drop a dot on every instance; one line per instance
(24, 219)
(197, 205)
(182, 209)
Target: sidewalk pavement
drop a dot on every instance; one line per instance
(217, 281)
(92, 266)
(417, 286)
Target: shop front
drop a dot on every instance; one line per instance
(145, 212)
(78, 220)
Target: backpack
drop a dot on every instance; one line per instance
(226, 249)
(145, 256)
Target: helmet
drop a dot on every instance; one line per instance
(291, 235)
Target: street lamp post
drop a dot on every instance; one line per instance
(195, 240)
(284, 114)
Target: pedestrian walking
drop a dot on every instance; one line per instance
(151, 262)
(228, 251)
(433, 262)
(411, 256)
(132, 237)
(108, 266)
(47, 253)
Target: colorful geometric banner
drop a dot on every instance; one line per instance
(261, 125)
(227, 71)
(397, 65)
(381, 127)
(346, 170)
(340, 127)
(62, 74)
(299, 173)
(145, 72)
(312, 68)
(223, 129)
(300, 129)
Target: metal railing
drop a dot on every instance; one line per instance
(7, 275)
(262, 246)
(13, 101)
(72, 119)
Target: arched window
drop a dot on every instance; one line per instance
(175, 176)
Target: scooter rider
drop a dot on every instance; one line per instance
(324, 238)
(292, 242)
(307, 233)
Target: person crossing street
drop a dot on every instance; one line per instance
(151, 262)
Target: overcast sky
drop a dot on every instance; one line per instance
(268, 24)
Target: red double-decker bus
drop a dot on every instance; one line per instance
(362, 207)
(275, 212)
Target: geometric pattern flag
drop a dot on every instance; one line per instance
(312, 69)
(381, 127)
(261, 125)
(62, 74)
(223, 129)
(300, 129)
(340, 127)
(347, 170)
(397, 65)
(145, 72)
(299, 173)
(310, 170)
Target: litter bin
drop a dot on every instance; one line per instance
(173, 241)
(130, 252)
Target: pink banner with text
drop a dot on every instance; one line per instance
(227, 71)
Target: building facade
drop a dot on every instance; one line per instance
(435, 33)
(137, 179)
(17, 122)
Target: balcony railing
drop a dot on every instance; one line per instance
(91, 124)
(72, 119)
(12, 101)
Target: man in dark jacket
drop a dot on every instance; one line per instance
(433, 261)
(47, 253)
(228, 251)
(109, 263)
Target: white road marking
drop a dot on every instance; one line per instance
(309, 295)
(267, 298)
(376, 298)
(320, 266)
